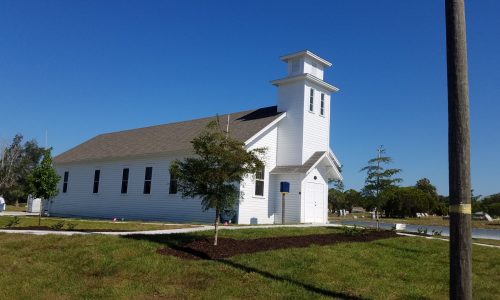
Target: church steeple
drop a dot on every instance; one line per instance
(305, 98)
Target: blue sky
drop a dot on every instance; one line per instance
(80, 68)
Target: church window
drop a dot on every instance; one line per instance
(322, 107)
(311, 100)
(259, 182)
(147, 180)
(97, 177)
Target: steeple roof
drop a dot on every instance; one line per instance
(306, 53)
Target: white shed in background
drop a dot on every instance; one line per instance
(34, 205)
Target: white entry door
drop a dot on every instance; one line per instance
(314, 200)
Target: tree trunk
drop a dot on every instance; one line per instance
(40, 213)
(458, 152)
(216, 223)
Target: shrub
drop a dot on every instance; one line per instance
(436, 233)
(13, 222)
(353, 231)
(58, 225)
(422, 230)
(71, 226)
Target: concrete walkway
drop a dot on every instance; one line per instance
(17, 213)
(442, 239)
(165, 231)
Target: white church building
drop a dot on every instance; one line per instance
(125, 174)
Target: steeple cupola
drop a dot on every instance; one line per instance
(305, 62)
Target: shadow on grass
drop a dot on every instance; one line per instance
(175, 241)
(399, 248)
(308, 287)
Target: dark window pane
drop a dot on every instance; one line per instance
(259, 188)
(125, 174)
(97, 176)
(259, 182)
(124, 186)
(125, 180)
(147, 187)
(173, 187)
(260, 174)
(149, 173)
(65, 182)
(173, 184)
(322, 111)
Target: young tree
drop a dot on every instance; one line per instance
(378, 178)
(43, 180)
(213, 174)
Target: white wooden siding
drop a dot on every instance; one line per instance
(316, 71)
(292, 201)
(290, 129)
(316, 127)
(259, 209)
(110, 203)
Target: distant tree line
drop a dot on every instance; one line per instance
(489, 204)
(383, 193)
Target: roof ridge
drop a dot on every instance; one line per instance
(185, 121)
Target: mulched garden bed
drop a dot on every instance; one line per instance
(46, 228)
(204, 248)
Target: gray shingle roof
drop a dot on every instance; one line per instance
(165, 138)
(299, 168)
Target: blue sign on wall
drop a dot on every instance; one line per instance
(284, 187)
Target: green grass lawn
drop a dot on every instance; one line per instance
(89, 224)
(21, 207)
(431, 220)
(96, 266)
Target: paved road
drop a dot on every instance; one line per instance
(478, 233)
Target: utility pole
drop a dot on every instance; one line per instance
(458, 152)
(379, 150)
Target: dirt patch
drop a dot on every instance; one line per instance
(46, 228)
(204, 248)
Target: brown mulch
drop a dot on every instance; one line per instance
(46, 228)
(204, 248)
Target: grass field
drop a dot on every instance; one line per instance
(21, 207)
(88, 224)
(431, 220)
(96, 266)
